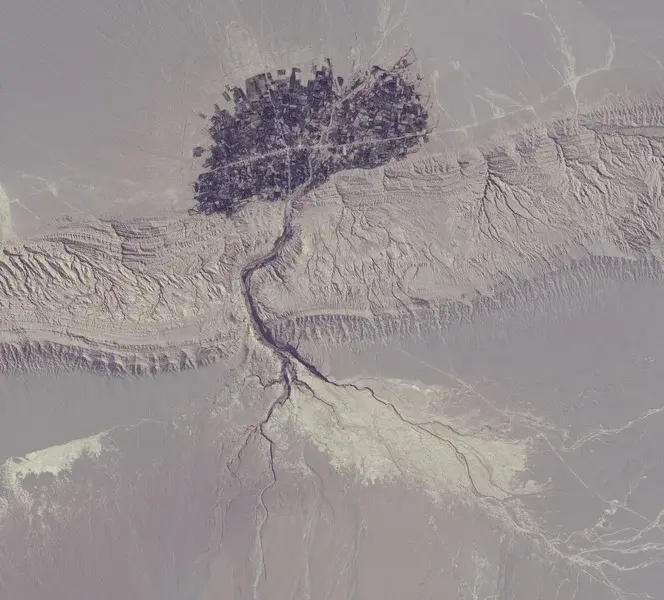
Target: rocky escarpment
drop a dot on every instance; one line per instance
(439, 239)
(139, 296)
(435, 237)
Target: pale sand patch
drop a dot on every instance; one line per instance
(54, 460)
(408, 434)
(6, 226)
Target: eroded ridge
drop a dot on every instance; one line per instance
(458, 232)
(283, 133)
(425, 237)
(137, 297)
(105, 288)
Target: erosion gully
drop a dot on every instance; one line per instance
(292, 360)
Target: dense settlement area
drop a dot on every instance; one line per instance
(283, 133)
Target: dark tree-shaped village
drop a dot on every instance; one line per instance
(283, 133)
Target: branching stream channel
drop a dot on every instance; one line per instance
(292, 362)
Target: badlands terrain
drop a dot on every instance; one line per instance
(437, 375)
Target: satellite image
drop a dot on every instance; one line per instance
(331, 300)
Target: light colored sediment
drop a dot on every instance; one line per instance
(393, 430)
(53, 460)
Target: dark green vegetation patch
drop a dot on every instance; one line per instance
(283, 133)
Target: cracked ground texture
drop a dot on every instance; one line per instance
(313, 472)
